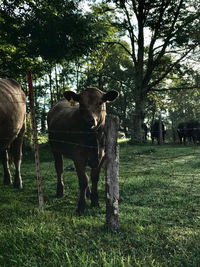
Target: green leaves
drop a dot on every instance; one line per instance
(52, 30)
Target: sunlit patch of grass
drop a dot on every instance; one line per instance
(123, 140)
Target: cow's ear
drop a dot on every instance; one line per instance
(110, 96)
(69, 95)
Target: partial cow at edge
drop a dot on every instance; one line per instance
(189, 130)
(76, 130)
(12, 127)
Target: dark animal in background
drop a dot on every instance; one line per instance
(183, 132)
(155, 131)
(77, 132)
(12, 127)
(145, 131)
(189, 131)
(194, 130)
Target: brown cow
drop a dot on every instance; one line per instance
(12, 127)
(77, 132)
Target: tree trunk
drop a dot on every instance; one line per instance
(173, 131)
(138, 120)
(160, 137)
(57, 87)
(51, 89)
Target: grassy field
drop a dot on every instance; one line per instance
(159, 214)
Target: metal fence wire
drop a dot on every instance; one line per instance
(146, 154)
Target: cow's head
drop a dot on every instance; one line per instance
(92, 104)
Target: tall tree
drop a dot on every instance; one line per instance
(155, 28)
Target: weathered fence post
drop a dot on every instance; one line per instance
(35, 142)
(111, 170)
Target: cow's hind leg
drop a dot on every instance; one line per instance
(7, 176)
(59, 170)
(83, 186)
(16, 152)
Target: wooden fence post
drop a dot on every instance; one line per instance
(35, 142)
(111, 170)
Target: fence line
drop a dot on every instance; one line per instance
(51, 164)
(130, 164)
(196, 153)
(73, 132)
(71, 143)
(47, 171)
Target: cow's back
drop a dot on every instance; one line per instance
(12, 111)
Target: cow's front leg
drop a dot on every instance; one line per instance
(59, 170)
(94, 190)
(95, 173)
(7, 175)
(83, 186)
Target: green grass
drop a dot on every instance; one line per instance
(159, 214)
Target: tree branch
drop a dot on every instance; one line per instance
(168, 70)
(150, 62)
(169, 35)
(174, 89)
(131, 33)
(135, 8)
(123, 46)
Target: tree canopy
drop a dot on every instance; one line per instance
(156, 29)
(148, 50)
(44, 29)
